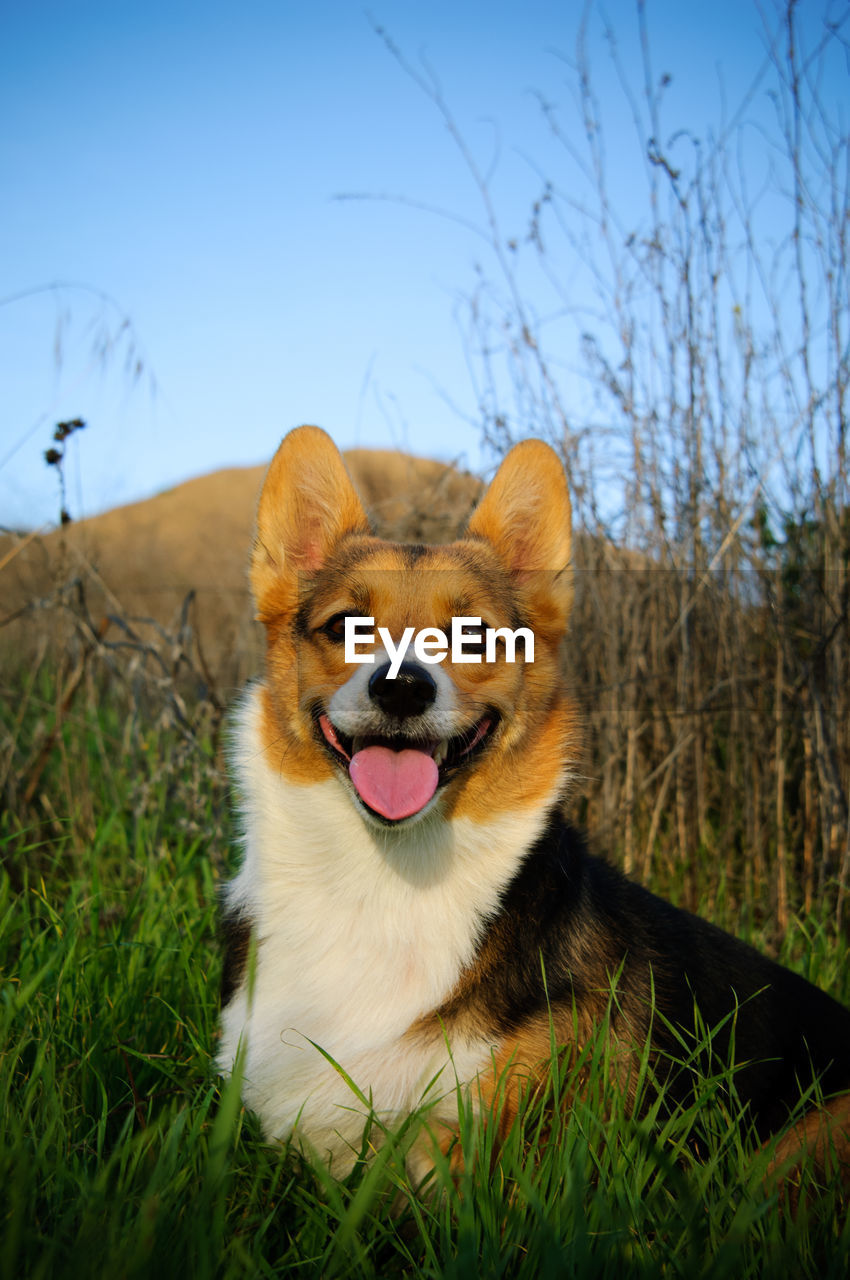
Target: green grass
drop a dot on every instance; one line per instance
(123, 1155)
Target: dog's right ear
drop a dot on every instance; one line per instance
(307, 504)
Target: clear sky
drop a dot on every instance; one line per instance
(176, 164)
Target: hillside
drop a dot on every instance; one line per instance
(141, 561)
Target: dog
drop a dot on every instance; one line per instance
(412, 909)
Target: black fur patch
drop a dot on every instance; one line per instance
(587, 923)
(235, 931)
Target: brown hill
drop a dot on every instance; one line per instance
(132, 569)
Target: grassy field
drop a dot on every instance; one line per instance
(124, 1155)
(707, 452)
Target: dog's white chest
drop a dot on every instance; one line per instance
(339, 983)
(357, 937)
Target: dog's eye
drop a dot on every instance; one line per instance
(474, 639)
(334, 628)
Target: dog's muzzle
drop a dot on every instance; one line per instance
(396, 771)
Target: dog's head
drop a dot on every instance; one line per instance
(487, 729)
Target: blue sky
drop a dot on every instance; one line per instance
(183, 161)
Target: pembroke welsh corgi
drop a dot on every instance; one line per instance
(412, 910)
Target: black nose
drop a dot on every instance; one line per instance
(409, 694)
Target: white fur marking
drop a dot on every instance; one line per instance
(360, 932)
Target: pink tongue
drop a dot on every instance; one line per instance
(394, 783)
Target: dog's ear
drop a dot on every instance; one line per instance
(525, 516)
(307, 504)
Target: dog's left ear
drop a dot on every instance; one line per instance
(525, 515)
(307, 504)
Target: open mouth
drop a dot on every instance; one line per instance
(396, 776)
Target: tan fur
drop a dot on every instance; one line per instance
(820, 1141)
